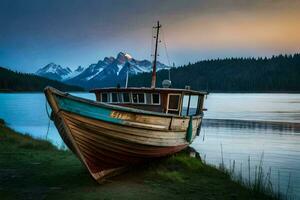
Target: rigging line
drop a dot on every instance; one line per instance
(152, 44)
(48, 128)
(46, 106)
(49, 118)
(165, 45)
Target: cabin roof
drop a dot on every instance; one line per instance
(151, 90)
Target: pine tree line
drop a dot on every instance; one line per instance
(276, 74)
(11, 81)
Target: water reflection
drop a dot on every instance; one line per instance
(277, 143)
(26, 113)
(254, 107)
(268, 126)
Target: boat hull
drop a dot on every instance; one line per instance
(108, 139)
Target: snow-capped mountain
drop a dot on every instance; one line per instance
(54, 71)
(107, 72)
(110, 71)
(75, 73)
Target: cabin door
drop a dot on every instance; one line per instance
(174, 101)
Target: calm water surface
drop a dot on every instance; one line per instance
(257, 126)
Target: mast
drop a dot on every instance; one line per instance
(153, 82)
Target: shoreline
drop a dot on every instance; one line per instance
(33, 168)
(37, 92)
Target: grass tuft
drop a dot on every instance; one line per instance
(173, 176)
(261, 184)
(24, 141)
(188, 163)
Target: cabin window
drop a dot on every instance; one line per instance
(114, 97)
(141, 98)
(104, 97)
(190, 105)
(193, 104)
(120, 97)
(148, 98)
(185, 104)
(126, 98)
(135, 98)
(138, 97)
(155, 98)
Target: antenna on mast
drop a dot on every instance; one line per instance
(170, 71)
(126, 83)
(127, 74)
(153, 82)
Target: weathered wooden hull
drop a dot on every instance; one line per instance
(109, 138)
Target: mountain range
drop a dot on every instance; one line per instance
(107, 72)
(279, 73)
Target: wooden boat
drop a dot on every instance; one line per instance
(126, 126)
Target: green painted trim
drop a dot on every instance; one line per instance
(189, 131)
(87, 110)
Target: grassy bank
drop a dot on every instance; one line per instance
(35, 169)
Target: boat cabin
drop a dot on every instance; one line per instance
(181, 102)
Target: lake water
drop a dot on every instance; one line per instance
(257, 126)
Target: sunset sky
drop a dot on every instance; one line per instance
(80, 32)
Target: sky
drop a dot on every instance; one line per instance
(34, 33)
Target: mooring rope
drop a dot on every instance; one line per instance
(165, 45)
(152, 44)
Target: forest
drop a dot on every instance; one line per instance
(11, 81)
(275, 74)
